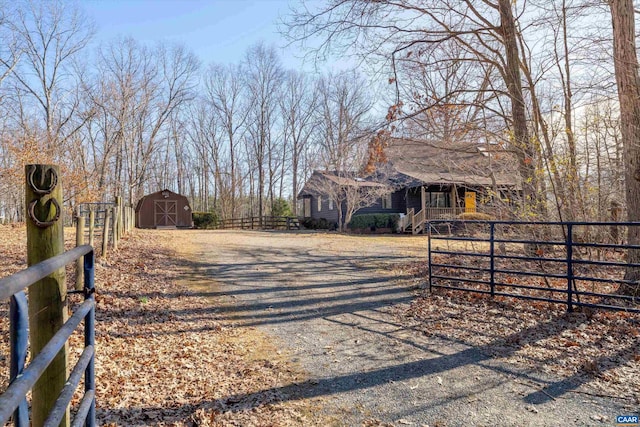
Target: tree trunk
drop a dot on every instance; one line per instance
(626, 68)
(523, 145)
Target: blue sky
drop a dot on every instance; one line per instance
(215, 30)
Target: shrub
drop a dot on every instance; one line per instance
(205, 220)
(281, 207)
(374, 221)
(318, 224)
(475, 216)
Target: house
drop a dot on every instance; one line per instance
(326, 195)
(163, 209)
(421, 181)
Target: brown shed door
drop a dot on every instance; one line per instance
(165, 213)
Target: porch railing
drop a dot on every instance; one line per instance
(417, 220)
(443, 213)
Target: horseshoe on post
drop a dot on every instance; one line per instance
(43, 224)
(38, 189)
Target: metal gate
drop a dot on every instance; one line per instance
(13, 400)
(578, 264)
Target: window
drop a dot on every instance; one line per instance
(307, 207)
(386, 201)
(319, 203)
(437, 199)
(330, 204)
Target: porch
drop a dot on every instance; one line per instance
(428, 203)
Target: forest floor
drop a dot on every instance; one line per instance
(214, 328)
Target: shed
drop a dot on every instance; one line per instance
(163, 209)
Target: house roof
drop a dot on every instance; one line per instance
(350, 180)
(314, 187)
(413, 163)
(460, 163)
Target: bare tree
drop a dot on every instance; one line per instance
(10, 50)
(51, 35)
(342, 131)
(264, 76)
(348, 192)
(226, 94)
(396, 33)
(627, 79)
(142, 89)
(342, 127)
(298, 105)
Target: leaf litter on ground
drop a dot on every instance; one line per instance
(597, 349)
(163, 356)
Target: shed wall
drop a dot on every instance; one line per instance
(163, 209)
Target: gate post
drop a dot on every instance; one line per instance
(492, 259)
(92, 226)
(80, 261)
(47, 297)
(569, 244)
(429, 255)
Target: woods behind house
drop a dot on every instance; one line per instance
(532, 84)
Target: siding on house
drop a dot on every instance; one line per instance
(330, 215)
(397, 205)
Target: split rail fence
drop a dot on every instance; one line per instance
(105, 223)
(260, 223)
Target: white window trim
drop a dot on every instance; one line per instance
(330, 204)
(319, 203)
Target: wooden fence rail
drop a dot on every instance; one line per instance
(110, 221)
(260, 223)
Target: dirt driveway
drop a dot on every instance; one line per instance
(331, 303)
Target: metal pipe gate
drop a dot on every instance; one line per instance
(13, 401)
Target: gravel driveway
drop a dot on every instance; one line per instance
(331, 301)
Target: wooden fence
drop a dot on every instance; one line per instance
(104, 224)
(260, 223)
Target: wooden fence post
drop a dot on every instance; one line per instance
(105, 233)
(80, 261)
(118, 214)
(125, 217)
(92, 227)
(47, 297)
(114, 215)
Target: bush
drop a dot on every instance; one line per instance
(374, 221)
(475, 216)
(318, 224)
(281, 208)
(205, 220)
